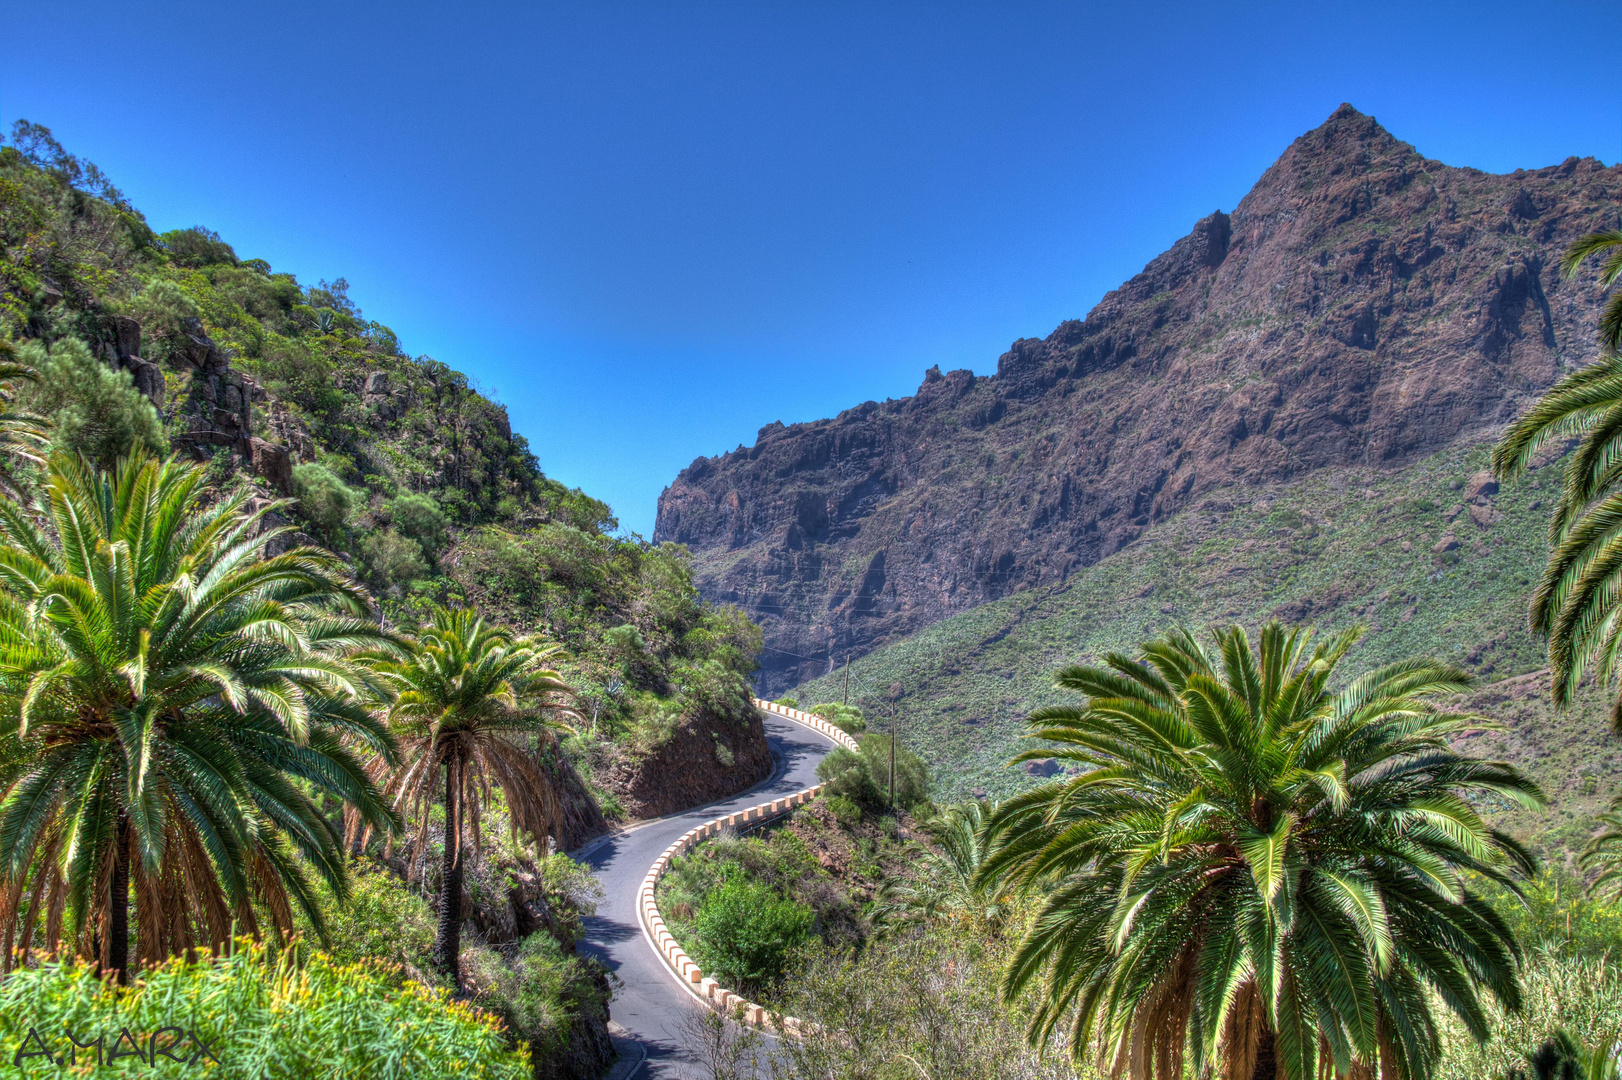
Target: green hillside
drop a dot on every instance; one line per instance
(1339, 548)
(396, 461)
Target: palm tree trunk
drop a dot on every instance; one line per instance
(1266, 1067)
(448, 941)
(118, 919)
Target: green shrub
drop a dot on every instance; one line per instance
(1286, 518)
(717, 689)
(420, 518)
(777, 859)
(847, 718)
(538, 991)
(393, 559)
(382, 919)
(273, 1020)
(863, 776)
(94, 409)
(164, 310)
(325, 500)
(198, 246)
(727, 635)
(746, 935)
(297, 372)
(625, 646)
(845, 811)
(573, 890)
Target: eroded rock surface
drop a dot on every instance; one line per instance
(1362, 305)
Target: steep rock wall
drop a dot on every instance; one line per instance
(1362, 305)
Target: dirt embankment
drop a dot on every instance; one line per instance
(706, 758)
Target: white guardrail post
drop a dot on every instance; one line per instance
(676, 959)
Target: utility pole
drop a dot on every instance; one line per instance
(892, 758)
(895, 696)
(844, 698)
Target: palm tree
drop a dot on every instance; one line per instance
(949, 887)
(1607, 243)
(174, 700)
(1563, 1056)
(461, 731)
(1254, 872)
(1575, 601)
(22, 434)
(1604, 853)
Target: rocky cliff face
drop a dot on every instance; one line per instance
(1362, 305)
(216, 408)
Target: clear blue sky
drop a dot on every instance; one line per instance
(652, 229)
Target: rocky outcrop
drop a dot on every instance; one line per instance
(705, 758)
(216, 408)
(1362, 305)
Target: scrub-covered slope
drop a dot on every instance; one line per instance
(397, 462)
(1433, 558)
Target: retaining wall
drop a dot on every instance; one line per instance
(676, 959)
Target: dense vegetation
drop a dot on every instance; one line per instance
(241, 542)
(399, 464)
(257, 1018)
(750, 909)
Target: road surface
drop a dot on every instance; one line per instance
(649, 1003)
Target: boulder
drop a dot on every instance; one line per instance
(198, 349)
(1481, 486)
(1446, 542)
(126, 337)
(148, 378)
(272, 462)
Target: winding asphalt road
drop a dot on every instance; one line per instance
(650, 1003)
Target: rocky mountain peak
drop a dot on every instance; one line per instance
(1361, 305)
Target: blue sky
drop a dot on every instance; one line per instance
(652, 229)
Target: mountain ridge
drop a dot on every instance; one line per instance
(1361, 305)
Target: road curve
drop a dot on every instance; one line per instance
(650, 1004)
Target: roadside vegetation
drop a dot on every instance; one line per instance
(1255, 853)
(750, 909)
(308, 671)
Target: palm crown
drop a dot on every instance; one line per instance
(461, 730)
(1254, 872)
(175, 699)
(22, 434)
(1575, 600)
(950, 887)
